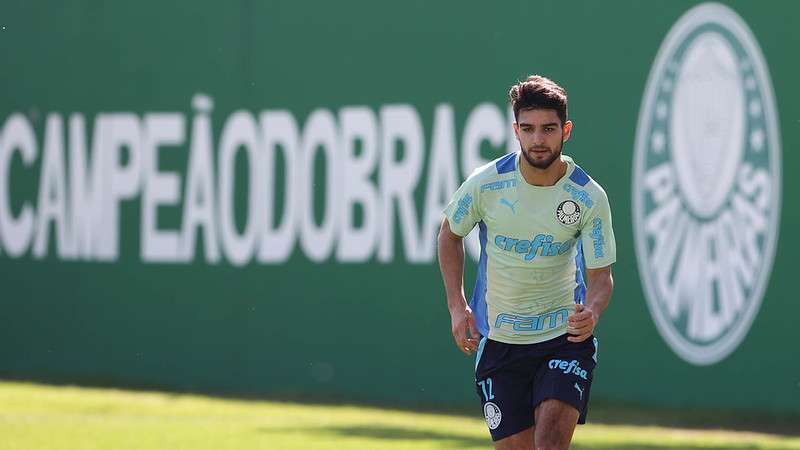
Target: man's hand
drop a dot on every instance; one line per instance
(581, 324)
(465, 332)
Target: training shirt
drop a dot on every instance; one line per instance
(536, 242)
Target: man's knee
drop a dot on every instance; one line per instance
(519, 441)
(552, 445)
(553, 440)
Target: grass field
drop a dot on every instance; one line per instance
(39, 417)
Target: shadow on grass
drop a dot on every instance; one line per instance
(656, 447)
(447, 440)
(787, 425)
(443, 438)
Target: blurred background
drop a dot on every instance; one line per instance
(242, 198)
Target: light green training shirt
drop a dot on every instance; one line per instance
(536, 242)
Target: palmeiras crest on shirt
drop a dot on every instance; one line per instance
(706, 184)
(568, 212)
(492, 414)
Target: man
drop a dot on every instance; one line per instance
(545, 230)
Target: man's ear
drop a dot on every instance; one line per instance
(567, 131)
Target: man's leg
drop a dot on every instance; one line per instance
(520, 441)
(555, 422)
(561, 393)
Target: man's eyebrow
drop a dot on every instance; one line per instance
(551, 124)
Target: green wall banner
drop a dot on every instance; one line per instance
(709, 128)
(84, 180)
(244, 198)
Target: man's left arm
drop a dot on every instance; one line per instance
(600, 253)
(581, 324)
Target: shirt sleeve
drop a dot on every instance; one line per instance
(597, 235)
(463, 211)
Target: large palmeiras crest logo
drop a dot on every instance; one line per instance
(706, 184)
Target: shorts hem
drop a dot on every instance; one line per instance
(508, 434)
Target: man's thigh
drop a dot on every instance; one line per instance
(555, 424)
(506, 401)
(504, 380)
(567, 375)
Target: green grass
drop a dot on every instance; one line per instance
(38, 417)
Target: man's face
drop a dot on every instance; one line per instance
(541, 136)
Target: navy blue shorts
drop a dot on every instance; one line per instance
(512, 379)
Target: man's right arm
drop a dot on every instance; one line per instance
(451, 263)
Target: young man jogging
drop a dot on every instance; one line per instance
(545, 234)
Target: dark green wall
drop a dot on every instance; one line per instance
(366, 331)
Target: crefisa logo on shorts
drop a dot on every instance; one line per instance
(706, 184)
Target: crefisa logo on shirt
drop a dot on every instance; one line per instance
(706, 184)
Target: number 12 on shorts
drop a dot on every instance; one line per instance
(486, 387)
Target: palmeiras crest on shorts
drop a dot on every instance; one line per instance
(492, 414)
(706, 184)
(568, 212)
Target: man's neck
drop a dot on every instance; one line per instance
(542, 177)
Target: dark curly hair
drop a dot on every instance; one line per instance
(538, 92)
